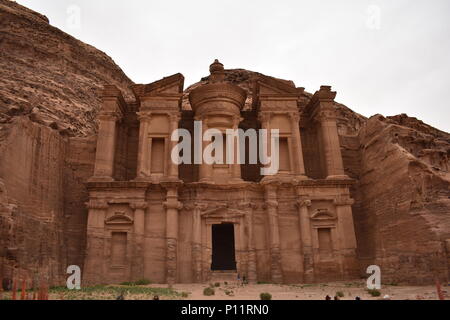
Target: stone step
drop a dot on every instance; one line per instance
(224, 275)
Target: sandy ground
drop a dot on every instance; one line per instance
(231, 290)
(310, 292)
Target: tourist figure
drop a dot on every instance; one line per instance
(155, 297)
(327, 297)
(336, 298)
(121, 296)
(357, 298)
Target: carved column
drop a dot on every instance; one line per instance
(347, 237)
(144, 151)
(138, 267)
(297, 145)
(251, 271)
(173, 167)
(271, 205)
(172, 206)
(264, 118)
(94, 262)
(330, 141)
(206, 170)
(236, 166)
(305, 233)
(197, 241)
(106, 146)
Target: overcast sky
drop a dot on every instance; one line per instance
(381, 56)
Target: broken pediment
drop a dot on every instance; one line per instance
(272, 86)
(172, 85)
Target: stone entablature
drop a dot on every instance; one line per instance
(287, 228)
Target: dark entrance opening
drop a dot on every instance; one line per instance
(223, 247)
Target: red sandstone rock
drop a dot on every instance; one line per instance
(50, 95)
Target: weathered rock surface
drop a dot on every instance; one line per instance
(48, 93)
(48, 102)
(49, 75)
(402, 213)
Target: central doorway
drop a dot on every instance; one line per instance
(223, 257)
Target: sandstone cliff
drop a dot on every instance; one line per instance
(48, 98)
(48, 103)
(402, 213)
(48, 75)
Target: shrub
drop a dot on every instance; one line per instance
(229, 293)
(208, 291)
(217, 284)
(142, 282)
(265, 296)
(340, 294)
(184, 294)
(374, 292)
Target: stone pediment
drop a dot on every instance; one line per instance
(119, 218)
(267, 86)
(323, 214)
(172, 85)
(223, 212)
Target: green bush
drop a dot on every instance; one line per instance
(141, 282)
(374, 292)
(184, 294)
(265, 296)
(229, 292)
(208, 291)
(340, 294)
(217, 284)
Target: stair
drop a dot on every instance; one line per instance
(224, 275)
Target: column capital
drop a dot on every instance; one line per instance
(326, 113)
(144, 115)
(173, 205)
(174, 117)
(109, 116)
(295, 117)
(139, 205)
(97, 204)
(303, 203)
(271, 204)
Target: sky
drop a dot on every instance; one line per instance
(381, 56)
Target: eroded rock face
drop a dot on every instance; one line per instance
(48, 93)
(402, 215)
(49, 98)
(48, 75)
